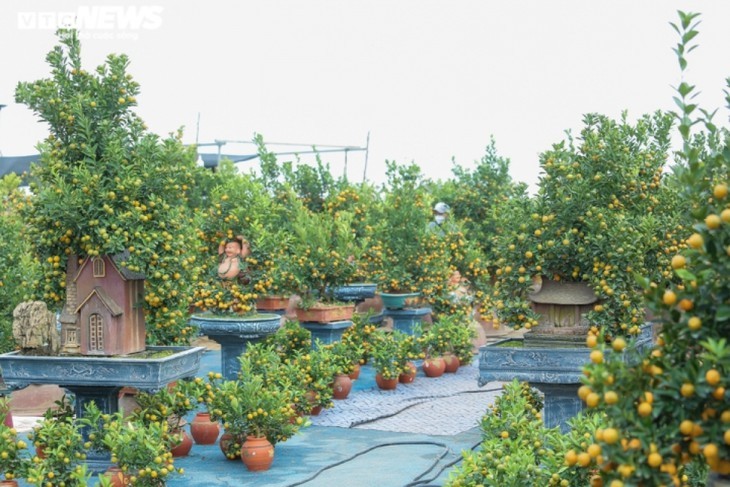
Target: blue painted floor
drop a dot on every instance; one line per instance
(323, 456)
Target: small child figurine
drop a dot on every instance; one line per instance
(231, 252)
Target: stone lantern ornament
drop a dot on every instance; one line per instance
(562, 308)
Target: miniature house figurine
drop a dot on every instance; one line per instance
(103, 313)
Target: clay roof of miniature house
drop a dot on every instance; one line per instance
(117, 260)
(68, 317)
(104, 297)
(565, 293)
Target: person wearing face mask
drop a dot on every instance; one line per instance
(440, 214)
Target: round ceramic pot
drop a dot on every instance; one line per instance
(257, 453)
(204, 431)
(386, 384)
(355, 372)
(341, 386)
(182, 449)
(311, 397)
(434, 367)
(410, 376)
(227, 444)
(114, 474)
(452, 363)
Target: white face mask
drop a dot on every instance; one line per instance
(439, 219)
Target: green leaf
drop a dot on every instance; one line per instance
(684, 89)
(685, 275)
(689, 36)
(723, 313)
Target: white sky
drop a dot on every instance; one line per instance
(430, 80)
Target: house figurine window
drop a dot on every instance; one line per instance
(96, 333)
(71, 337)
(99, 267)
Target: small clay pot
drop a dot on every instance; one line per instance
(204, 431)
(386, 384)
(410, 376)
(452, 363)
(434, 367)
(341, 386)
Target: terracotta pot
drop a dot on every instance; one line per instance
(452, 363)
(183, 444)
(8, 483)
(39, 451)
(115, 475)
(204, 431)
(464, 363)
(257, 453)
(386, 384)
(355, 372)
(325, 313)
(311, 398)
(434, 367)
(227, 444)
(341, 386)
(298, 414)
(272, 303)
(410, 376)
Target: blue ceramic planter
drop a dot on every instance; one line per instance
(556, 372)
(355, 292)
(99, 379)
(396, 301)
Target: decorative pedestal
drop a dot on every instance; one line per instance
(405, 319)
(556, 372)
(326, 333)
(100, 379)
(234, 334)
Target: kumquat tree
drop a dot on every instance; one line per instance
(668, 418)
(105, 185)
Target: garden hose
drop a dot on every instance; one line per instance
(416, 481)
(385, 416)
(420, 483)
(375, 447)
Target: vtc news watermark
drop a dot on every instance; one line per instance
(97, 21)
